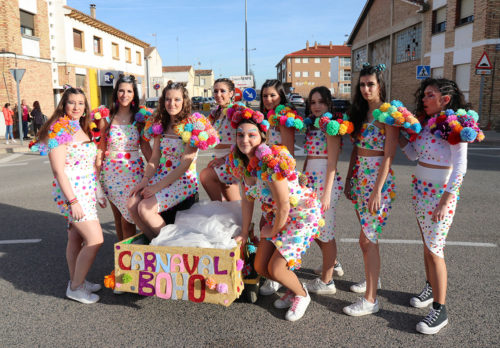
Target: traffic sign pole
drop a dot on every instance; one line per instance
(481, 88)
(18, 75)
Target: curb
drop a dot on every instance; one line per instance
(14, 149)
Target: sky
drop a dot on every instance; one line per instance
(211, 34)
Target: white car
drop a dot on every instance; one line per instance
(297, 100)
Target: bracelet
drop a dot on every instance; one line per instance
(73, 201)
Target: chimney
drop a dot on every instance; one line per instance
(315, 44)
(92, 10)
(331, 46)
(307, 45)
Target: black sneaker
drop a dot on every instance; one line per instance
(424, 298)
(434, 321)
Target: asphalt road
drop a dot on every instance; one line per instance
(33, 277)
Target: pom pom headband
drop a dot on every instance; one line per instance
(378, 67)
(237, 113)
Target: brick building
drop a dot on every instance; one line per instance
(311, 67)
(25, 44)
(450, 36)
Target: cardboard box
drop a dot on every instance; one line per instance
(178, 273)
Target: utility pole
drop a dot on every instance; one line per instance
(246, 41)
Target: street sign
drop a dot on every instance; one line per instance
(242, 82)
(17, 74)
(484, 62)
(249, 94)
(237, 94)
(156, 86)
(483, 72)
(423, 72)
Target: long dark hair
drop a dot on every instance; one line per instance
(134, 105)
(36, 105)
(230, 86)
(59, 112)
(446, 87)
(359, 108)
(162, 115)
(276, 84)
(326, 97)
(239, 154)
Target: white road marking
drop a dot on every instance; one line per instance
(13, 164)
(483, 148)
(484, 155)
(406, 241)
(20, 241)
(10, 157)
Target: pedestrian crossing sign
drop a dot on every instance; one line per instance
(423, 72)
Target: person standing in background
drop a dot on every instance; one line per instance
(26, 113)
(37, 117)
(9, 122)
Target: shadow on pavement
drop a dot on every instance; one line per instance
(41, 267)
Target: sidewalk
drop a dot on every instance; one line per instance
(492, 138)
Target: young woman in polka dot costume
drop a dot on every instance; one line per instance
(122, 164)
(72, 157)
(216, 180)
(370, 181)
(436, 183)
(170, 176)
(293, 213)
(320, 168)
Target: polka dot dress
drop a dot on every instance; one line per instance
(79, 168)
(316, 175)
(187, 185)
(363, 180)
(426, 197)
(303, 220)
(123, 167)
(273, 136)
(316, 144)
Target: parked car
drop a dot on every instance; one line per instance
(152, 102)
(297, 100)
(341, 105)
(209, 100)
(197, 102)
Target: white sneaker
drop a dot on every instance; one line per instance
(298, 308)
(92, 287)
(317, 286)
(337, 270)
(14, 141)
(269, 287)
(361, 307)
(81, 294)
(360, 288)
(7, 142)
(285, 301)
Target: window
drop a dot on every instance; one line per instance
(305, 60)
(465, 13)
(97, 45)
(297, 60)
(128, 55)
(317, 74)
(408, 44)
(345, 88)
(439, 20)
(437, 73)
(115, 50)
(359, 58)
(78, 39)
(305, 74)
(80, 81)
(297, 74)
(202, 82)
(138, 57)
(27, 23)
(345, 61)
(346, 75)
(317, 60)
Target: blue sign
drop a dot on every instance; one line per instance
(109, 77)
(423, 72)
(249, 94)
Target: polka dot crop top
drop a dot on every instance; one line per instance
(223, 127)
(428, 148)
(371, 137)
(316, 144)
